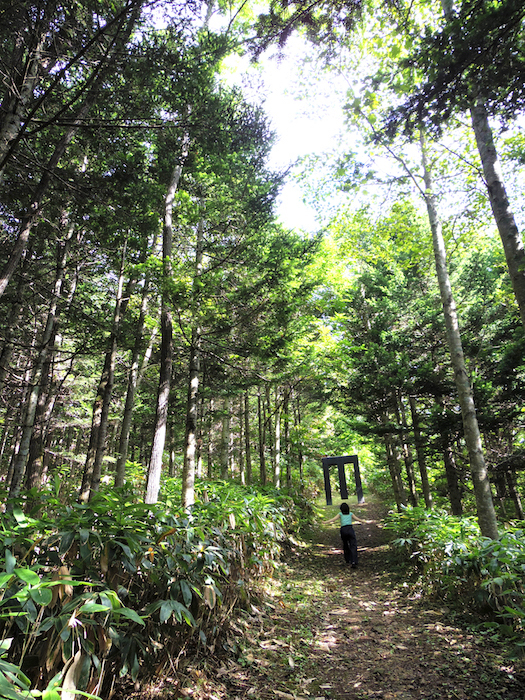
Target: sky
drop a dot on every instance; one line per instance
(303, 127)
(302, 112)
(299, 133)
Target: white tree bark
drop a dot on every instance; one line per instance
(161, 416)
(484, 503)
(135, 373)
(277, 441)
(499, 202)
(192, 405)
(497, 193)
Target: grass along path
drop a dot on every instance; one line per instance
(327, 631)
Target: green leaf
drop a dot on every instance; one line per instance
(10, 561)
(111, 599)
(51, 694)
(66, 542)
(395, 51)
(9, 691)
(4, 579)
(28, 576)
(19, 516)
(126, 550)
(181, 612)
(187, 595)
(166, 610)
(5, 644)
(41, 596)
(131, 615)
(46, 625)
(14, 672)
(91, 607)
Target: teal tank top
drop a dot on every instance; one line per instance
(346, 519)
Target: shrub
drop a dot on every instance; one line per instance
(455, 562)
(116, 587)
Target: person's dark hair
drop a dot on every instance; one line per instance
(344, 508)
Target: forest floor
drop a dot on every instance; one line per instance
(325, 631)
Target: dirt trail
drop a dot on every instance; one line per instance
(327, 631)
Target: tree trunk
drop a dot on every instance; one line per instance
(514, 494)
(287, 444)
(242, 461)
(135, 372)
(12, 323)
(451, 472)
(392, 459)
(209, 450)
(499, 202)
(200, 417)
(20, 463)
(188, 472)
(484, 503)
(497, 193)
(225, 437)
(406, 451)
(172, 464)
(38, 58)
(247, 437)
(277, 442)
(15, 108)
(269, 426)
(161, 415)
(99, 421)
(299, 440)
(262, 438)
(420, 452)
(499, 482)
(5, 436)
(46, 403)
(120, 309)
(192, 405)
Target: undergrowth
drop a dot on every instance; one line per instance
(93, 592)
(453, 561)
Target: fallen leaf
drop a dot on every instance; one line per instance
(69, 684)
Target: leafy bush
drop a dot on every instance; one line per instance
(116, 587)
(455, 562)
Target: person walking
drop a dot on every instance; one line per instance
(346, 518)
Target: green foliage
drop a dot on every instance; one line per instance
(478, 52)
(116, 586)
(455, 563)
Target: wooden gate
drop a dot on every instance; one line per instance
(340, 462)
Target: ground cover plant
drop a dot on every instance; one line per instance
(320, 629)
(454, 562)
(96, 591)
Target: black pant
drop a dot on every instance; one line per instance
(349, 544)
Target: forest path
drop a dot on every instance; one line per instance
(327, 631)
